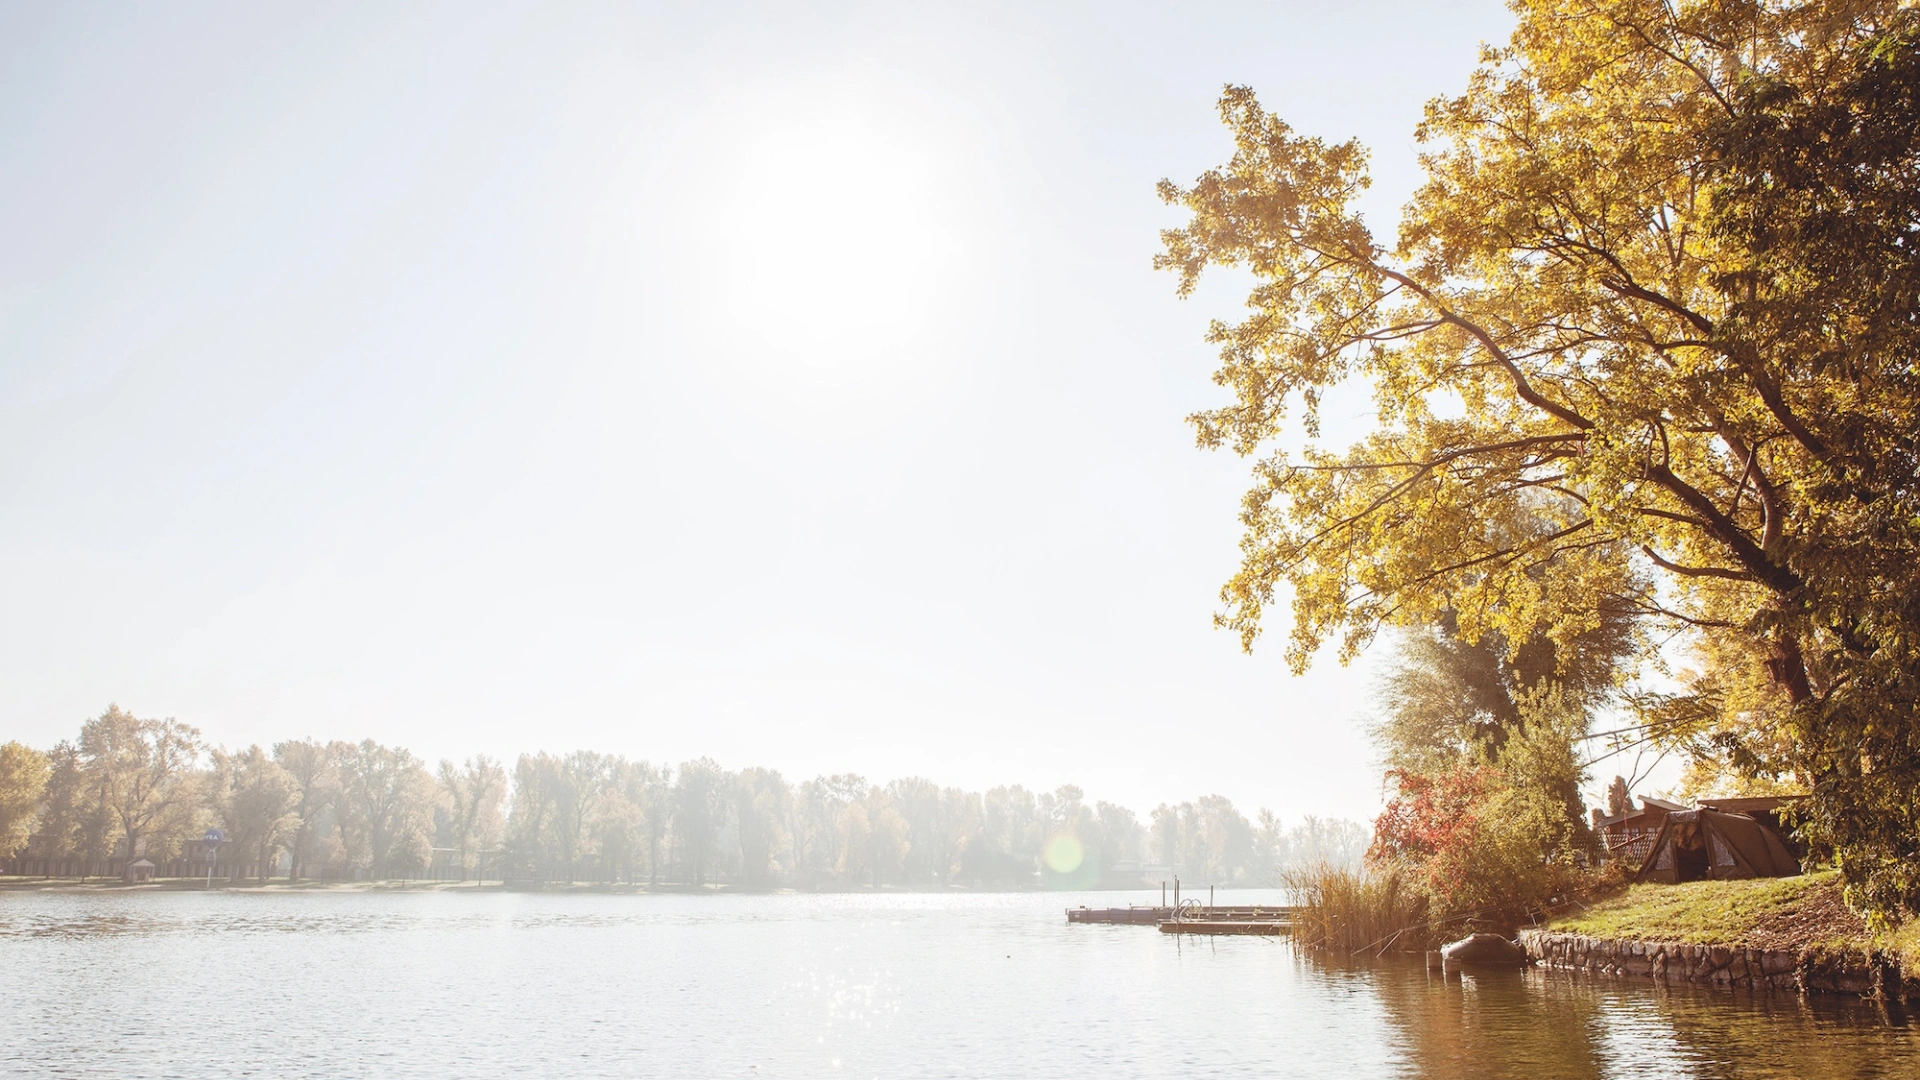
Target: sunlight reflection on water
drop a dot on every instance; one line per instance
(926, 985)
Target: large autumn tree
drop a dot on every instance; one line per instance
(23, 784)
(1645, 342)
(141, 776)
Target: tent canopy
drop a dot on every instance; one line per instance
(1695, 844)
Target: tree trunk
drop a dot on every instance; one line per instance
(295, 865)
(1788, 669)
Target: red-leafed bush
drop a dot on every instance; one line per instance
(1484, 849)
(1432, 817)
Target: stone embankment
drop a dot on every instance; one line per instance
(1806, 971)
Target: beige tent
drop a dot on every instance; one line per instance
(1695, 844)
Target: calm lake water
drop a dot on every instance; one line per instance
(530, 985)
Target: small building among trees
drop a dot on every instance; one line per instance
(1626, 831)
(1696, 844)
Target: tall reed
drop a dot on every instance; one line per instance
(1373, 910)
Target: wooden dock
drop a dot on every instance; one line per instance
(1193, 918)
(1267, 927)
(1143, 916)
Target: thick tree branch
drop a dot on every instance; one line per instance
(1479, 333)
(1741, 546)
(1696, 571)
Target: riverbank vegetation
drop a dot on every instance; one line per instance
(1782, 913)
(1356, 909)
(1484, 827)
(1485, 819)
(129, 788)
(1642, 357)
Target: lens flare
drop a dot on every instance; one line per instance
(1064, 854)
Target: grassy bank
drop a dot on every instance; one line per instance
(1771, 913)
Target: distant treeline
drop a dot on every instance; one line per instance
(130, 788)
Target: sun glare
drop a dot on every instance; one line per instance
(832, 241)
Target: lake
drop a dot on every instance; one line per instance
(491, 984)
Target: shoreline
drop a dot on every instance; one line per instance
(1766, 935)
(1806, 970)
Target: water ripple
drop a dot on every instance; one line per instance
(488, 985)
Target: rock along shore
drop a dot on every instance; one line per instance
(1807, 970)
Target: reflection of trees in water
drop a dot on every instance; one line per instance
(1536, 1025)
(1736, 1033)
(1493, 1025)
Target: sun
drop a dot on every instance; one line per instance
(833, 239)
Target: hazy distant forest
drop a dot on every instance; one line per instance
(342, 811)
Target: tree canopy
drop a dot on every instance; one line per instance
(1644, 345)
(23, 780)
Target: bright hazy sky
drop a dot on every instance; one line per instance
(782, 383)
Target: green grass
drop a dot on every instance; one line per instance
(1904, 942)
(1696, 913)
(1766, 913)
